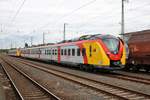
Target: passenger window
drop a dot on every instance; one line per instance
(73, 52)
(65, 53)
(53, 51)
(61, 51)
(45, 52)
(49, 52)
(78, 52)
(83, 51)
(68, 52)
(39, 52)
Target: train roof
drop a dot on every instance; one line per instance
(138, 33)
(139, 36)
(84, 38)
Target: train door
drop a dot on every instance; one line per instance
(58, 55)
(90, 51)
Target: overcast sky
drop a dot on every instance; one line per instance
(21, 19)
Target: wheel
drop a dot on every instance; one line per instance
(128, 67)
(135, 69)
(91, 69)
(81, 67)
(147, 70)
(86, 68)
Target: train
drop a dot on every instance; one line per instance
(14, 52)
(139, 50)
(97, 51)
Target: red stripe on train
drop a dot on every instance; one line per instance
(80, 45)
(59, 55)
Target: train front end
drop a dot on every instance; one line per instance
(115, 50)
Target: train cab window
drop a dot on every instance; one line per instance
(73, 52)
(65, 52)
(68, 52)
(78, 52)
(83, 51)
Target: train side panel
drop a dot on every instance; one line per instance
(70, 54)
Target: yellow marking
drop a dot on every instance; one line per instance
(98, 56)
(123, 59)
(18, 52)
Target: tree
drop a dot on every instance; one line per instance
(26, 45)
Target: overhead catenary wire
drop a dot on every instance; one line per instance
(70, 13)
(73, 11)
(111, 15)
(130, 19)
(84, 5)
(17, 12)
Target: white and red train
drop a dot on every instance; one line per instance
(94, 51)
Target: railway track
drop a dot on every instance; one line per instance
(130, 78)
(115, 75)
(111, 90)
(26, 87)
